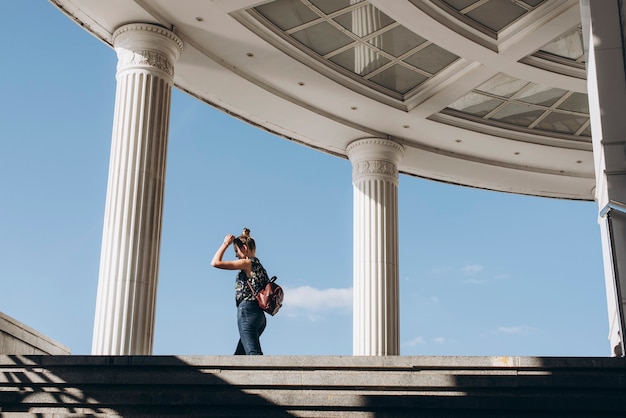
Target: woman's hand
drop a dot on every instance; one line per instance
(229, 239)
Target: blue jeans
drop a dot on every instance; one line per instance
(251, 323)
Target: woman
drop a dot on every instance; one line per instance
(250, 318)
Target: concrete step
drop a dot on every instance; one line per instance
(310, 386)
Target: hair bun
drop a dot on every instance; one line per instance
(246, 232)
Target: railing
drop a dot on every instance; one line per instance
(612, 205)
(606, 214)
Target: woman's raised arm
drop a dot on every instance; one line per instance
(241, 264)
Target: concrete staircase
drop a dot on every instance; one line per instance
(304, 386)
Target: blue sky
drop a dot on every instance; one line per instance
(481, 273)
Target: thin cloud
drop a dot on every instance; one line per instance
(315, 317)
(504, 276)
(419, 340)
(516, 330)
(415, 341)
(472, 269)
(312, 299)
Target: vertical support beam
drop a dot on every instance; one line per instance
(376, 319)
(131, 239)
(606, 87)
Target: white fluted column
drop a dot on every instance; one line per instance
(603, 30)
(376, 322)
(126, 301)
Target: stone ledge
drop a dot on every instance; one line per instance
(331, 362)
(19, 338)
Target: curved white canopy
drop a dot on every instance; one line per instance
(483, 93)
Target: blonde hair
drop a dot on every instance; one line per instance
(245, 239)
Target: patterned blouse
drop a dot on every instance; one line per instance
(258, 279)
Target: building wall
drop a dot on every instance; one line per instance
(17, 338)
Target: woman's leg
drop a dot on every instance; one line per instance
(240, 351)
(251, 322)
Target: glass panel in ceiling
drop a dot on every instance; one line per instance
(364, 21)
(331, 6)
(497, 14)
(493, 15)
(397, 41)
(586, 131)
(322, 38)
(562, 122)
(457, 4)
(361, 39)
(287, 14)
(540, 95)
(577, 102)
(533, 3)
(518, 114)
(360, 59)
(569, 45)
(476, 104)
(399, 78)
(502, 85)
(431, 59)
(523, 104)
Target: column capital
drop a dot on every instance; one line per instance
(375, 156)
(144, 45)
(375, 149)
